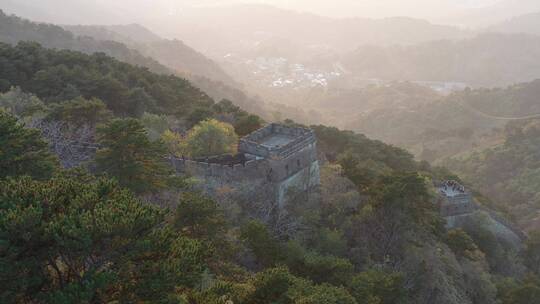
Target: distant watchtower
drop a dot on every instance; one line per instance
(455, 199)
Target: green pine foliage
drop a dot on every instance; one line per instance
(79, 240)
(128, 155)
(79, 112)
(55, 76)
(23, 151)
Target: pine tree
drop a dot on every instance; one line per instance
(74, 239)
(128, 155)
(23, 151)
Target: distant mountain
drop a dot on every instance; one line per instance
(218, 30)
(127, 34)
(486, 60)
(172, 53)
(498, 11)
(14, 29)
(529, 23)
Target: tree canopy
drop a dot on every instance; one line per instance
(211, 137)
(23, 151)
(127, 154)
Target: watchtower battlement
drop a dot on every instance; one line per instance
(455, 199)
(251, 169)
(276, 141)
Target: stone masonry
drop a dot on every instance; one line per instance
(455, 199)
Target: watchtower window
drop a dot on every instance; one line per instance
(287, 169)
(298, 163)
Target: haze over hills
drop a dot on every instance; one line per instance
(495, 12)
(529, 23)
(253, 24)
(171, 53)
(486, 60)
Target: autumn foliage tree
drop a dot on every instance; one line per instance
(211, 137)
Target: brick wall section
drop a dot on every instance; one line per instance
(252, 169)
(457, 205)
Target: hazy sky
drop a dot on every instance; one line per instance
(124, 11)
(365, 8)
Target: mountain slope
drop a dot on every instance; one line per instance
(171, 53)
(529, 23)
(449, 125)
(14, 29)
(486, 60)
(218, 30)
(127, 90)
(508, 172)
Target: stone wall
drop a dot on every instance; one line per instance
(283, 168)
(252, 169)
(457, 205)
(302, 181)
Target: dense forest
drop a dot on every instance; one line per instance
(91, 210)
(55, 76)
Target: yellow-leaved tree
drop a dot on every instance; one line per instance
(211, 137)
(174, 142)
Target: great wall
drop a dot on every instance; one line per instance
(280, 159)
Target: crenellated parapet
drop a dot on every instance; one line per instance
(276, 141)
(251, 169)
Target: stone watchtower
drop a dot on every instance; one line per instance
(455, 199)
(291, 156)
(276, 159)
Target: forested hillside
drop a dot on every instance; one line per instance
(127, 90)
(183, 60)
(447, 126)
(14, 29)
(94, 210)
(508, 172)
(96, 234)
